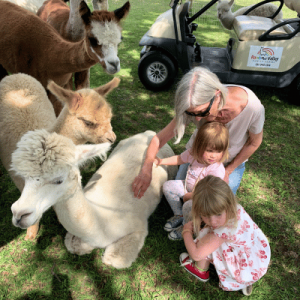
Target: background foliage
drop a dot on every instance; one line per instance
(43, 269)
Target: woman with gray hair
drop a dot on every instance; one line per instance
(200, 98)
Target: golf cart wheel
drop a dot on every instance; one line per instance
(157, 71)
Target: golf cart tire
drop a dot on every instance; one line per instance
(157, 71)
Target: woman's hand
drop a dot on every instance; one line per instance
(141, 184)
(187, 196)
(143, 180)
(226, 177)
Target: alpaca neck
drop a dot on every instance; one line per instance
(76, 214)
(75, 29)
(230, 16)
(72, 57)
(227, 20)
(64, 126)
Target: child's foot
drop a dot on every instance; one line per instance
(189, 265)
(247, 290)
(176, 234)
(173, 222)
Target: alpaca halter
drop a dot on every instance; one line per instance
(100, 59)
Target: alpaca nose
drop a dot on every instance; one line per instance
(114, 64)
(111, 140)
(21, 216)
(111, 137)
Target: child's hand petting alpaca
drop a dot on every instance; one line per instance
(156, 162)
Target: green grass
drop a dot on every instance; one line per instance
(43, 269)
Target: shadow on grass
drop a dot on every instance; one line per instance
(60, 290)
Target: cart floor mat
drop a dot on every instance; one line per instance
(215, 59)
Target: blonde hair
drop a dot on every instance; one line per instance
(212, 196)
(213, 135)
(196, 88)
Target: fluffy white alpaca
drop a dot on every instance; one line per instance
(24, 106)
(34, 5)
(226, 16)
(103, 215)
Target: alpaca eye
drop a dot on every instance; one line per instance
(88, 123)
(59, 181)
(93, 41)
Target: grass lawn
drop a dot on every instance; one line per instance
(270, 193)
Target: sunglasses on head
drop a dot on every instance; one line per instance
(202, 113)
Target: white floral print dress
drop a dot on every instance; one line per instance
(245, 259)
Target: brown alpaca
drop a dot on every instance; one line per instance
(24, 106)
(69, 24)
(66, 20)
(31, 46)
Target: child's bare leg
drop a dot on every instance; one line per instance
(203, 264)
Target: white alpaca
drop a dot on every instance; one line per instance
(293, 5)
(24, 106)
(226, 16)
(34, 5)
(103, 215)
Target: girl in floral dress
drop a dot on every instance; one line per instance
(230, 240)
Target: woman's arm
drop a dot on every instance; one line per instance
(143, 180)
(203, 247)
(251, 145)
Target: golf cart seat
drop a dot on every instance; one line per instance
(253, 27)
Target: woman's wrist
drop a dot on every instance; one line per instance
(229, 169)
(147, 167)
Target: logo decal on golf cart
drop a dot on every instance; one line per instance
(264, 57)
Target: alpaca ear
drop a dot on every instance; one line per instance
(123, 11)
(85, 153)
(231, 2)
(107, 88)
(72, 99)
(85, 12)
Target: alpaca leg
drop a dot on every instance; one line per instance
(100, 4)
(3, 72)
(32, 231)
(57, 105)
(82, 80)
(124, 252)
(76, 246)
(69, 85)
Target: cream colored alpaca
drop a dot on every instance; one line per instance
(293, 5)
(103, 215)
(24, 106)
(100, 4)
(226, 16)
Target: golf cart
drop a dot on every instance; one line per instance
(266, 53)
